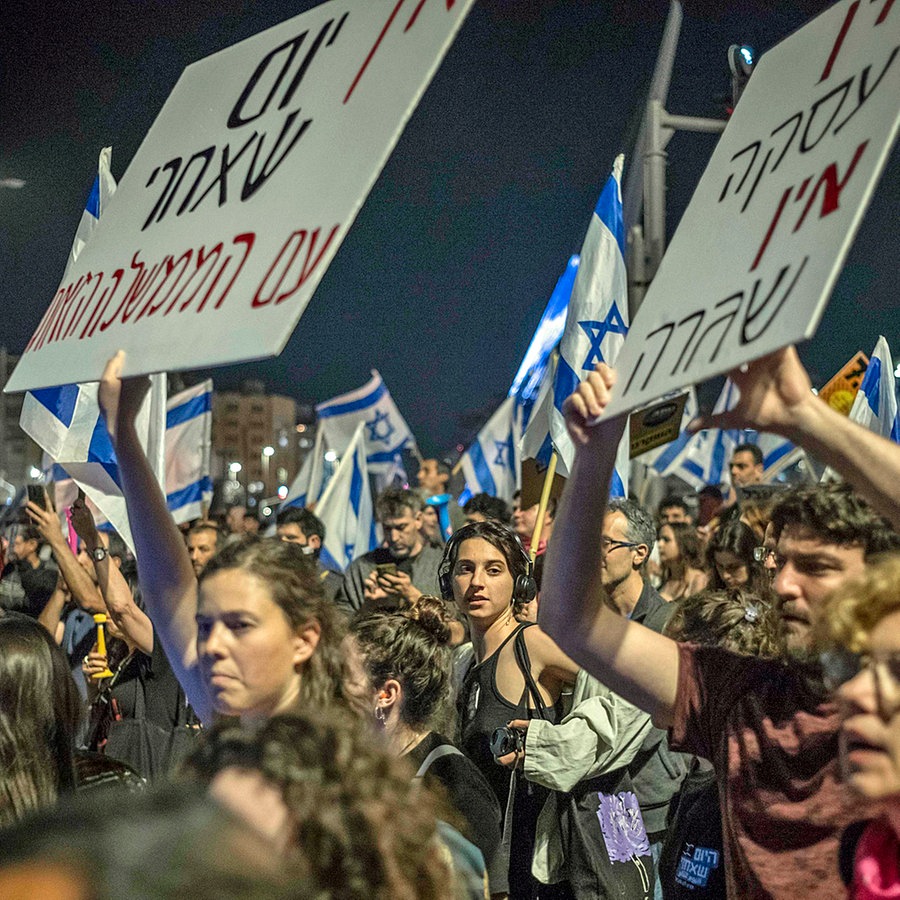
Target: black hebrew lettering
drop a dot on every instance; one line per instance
(826, 102)
(753, 313)
(824, 118)
(863, 94)
(286, 53)
(252, 161)
(253, 181)
(707, 329)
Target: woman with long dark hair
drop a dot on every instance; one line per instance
(731, 562)
(517, 673)
(39, 713)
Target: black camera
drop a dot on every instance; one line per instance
(507, 740)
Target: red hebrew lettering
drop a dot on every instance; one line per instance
(884, 12)
(832, 188)
(771, 229)
(248, 239)
(412, 20)
(285, 259)
(839, 40)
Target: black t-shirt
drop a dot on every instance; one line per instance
(468, 793)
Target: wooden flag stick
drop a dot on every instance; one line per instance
(542, 506)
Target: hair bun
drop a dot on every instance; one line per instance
(430, 613)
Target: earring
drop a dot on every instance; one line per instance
(379, 714)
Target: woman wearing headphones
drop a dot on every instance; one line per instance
(517, 673)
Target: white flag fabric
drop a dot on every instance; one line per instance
(386, 432)
(703, 458)
(189, 487)
(596, 325)
(346, 507)
(491, 464)
(306, 488)
(875, 404)
(65, 421)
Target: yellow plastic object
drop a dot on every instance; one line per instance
(101, 620)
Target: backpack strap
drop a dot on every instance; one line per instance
(438, 752)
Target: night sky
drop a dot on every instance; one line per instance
(442, 279)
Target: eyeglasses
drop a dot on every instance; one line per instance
(762, 554)
(839, 665)
(607, 544)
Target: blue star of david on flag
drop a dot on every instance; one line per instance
(504, 452)
(380, 428)
(597, 331)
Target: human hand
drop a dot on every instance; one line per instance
(773, 390)
(587, 403)
(372, 590)
(516, 759)
(120, 399)
(46, 521)
(94, 663)
(398, 584)
(83, 523)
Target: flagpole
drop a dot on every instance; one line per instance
(542, 506)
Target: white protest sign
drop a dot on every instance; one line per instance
(242, 192)
(757, 252)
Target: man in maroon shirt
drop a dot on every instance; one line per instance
(768, 727)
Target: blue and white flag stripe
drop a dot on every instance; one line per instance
(527, 382)
(189, 486)
(703, 458)
(491, 464)
(386, 432)
(596, 326)
(66, 422)
(345, 508)
(875, 405)
(307, 487)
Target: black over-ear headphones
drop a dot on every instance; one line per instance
(524, 588)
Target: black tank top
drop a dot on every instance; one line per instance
(481, 710)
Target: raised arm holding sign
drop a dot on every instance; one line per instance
(756, 254)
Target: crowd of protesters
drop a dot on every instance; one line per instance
(583, 700)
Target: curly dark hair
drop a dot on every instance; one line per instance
(362, 826)
(412, 646)
(836, 515)
(293, 581)
(736, 620)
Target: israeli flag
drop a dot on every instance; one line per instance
(189, 487)
(703, 458)
(875, 404)
(307, 487)
(596, 325)
(492, 465)
(346, 507)
(65, 421)
(386, 433)
(527, 382)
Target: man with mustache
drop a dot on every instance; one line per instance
(768, 726)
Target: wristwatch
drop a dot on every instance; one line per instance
(99, 553)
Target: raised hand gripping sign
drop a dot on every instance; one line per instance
(242, 192)
(752, 264)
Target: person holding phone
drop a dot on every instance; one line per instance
(401, 570)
